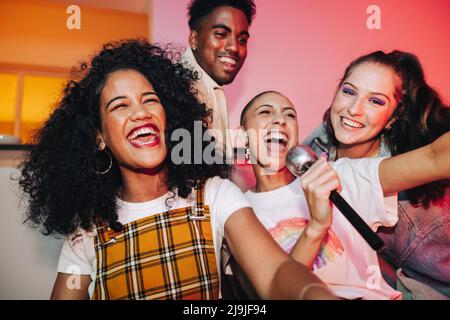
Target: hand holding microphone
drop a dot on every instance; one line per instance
(317, 183)
(299, 159)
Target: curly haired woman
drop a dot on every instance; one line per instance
(140, 227)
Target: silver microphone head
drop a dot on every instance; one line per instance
(299, 159)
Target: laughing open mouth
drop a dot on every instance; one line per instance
(277, 137)
(143, 135)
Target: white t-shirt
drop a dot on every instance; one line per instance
(221, 195)
(345, 261)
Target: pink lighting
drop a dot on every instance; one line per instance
(302, 47)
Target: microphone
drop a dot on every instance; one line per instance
(299, 159)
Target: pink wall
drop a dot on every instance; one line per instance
(301, 47)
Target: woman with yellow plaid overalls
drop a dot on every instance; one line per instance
(125, 169)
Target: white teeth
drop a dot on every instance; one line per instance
(352, 123)
(280, 136)
(227, 60)
(144, 130)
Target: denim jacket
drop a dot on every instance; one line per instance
(416, 255)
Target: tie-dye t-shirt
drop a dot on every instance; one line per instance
(345, 261)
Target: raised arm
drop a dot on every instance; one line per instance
(417, 167)
(272, 272)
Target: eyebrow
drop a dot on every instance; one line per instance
(114, 99)
(289, 108)
(372, 92)
(124, 97)
(227, 28)
(150, 93)
(264, 105)
(282, 109)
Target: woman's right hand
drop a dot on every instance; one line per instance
(317, 184)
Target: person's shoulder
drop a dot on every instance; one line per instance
(349, 163)
(80, 236)
(360, 170)
(429, 221)
(319, 141)
(319, 132)
(186, 58)
(219, 188)
(217, 182)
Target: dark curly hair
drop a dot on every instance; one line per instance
(420, 117)
(198, 9)
(60, 174)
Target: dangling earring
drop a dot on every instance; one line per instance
(247, 154)
(194, 49)
(389, 126)
(102, 172)
(390, 123)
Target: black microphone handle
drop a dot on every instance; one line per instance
(360, 225)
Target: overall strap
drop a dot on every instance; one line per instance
(198, 212)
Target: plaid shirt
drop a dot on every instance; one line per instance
(169, 255)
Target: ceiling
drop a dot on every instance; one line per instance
(137, 6)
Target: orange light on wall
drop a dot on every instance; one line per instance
(35, 32)
(8, 92)
(38, 49)
(40, 94)
(26, 101)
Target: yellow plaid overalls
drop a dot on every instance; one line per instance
(169, 255)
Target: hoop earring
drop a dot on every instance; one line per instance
(109, 166)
